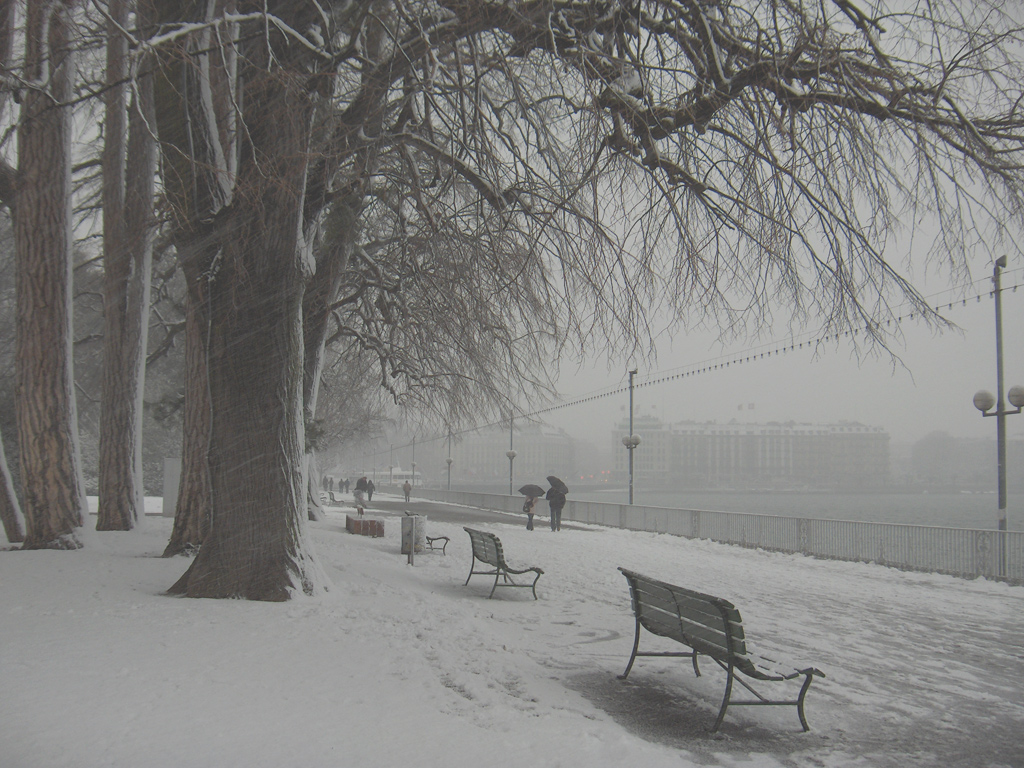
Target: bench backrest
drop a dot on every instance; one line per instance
(486, 547)
(709, 625)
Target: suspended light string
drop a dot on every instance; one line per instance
(753, 354)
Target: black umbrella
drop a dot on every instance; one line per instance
(534, 491)
(558, 484)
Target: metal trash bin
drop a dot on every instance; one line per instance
(414, 526)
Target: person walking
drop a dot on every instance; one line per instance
(360, 490)
(556, 500)
(528, 509)
(407, 488)
(370, 488)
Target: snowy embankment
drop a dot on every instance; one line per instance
(403, 665)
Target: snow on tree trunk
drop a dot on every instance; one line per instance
(53, 497)
(10, 511)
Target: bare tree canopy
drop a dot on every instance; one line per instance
(465, 188)
(592, 162)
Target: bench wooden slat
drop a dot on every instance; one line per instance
(710, 626)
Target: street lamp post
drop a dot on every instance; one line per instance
(631, 441)
(984, 401)
(510, 453)
(511, 458)
(449, 460)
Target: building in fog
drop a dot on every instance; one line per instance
(844, 455)
(944, 462)
(480, 458)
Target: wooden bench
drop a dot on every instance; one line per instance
(487, 549)
(713, 627)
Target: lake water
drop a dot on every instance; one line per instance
(952, 510)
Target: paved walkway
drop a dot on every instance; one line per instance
(444, 512)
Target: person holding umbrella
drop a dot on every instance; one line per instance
(532, 493)
(556, 500)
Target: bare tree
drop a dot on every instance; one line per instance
(575, 163)
(129, 167)
(10, 510)
(195, 89)
(53, 495)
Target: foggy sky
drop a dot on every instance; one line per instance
(933, 392)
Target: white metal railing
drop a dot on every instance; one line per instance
(956, 551)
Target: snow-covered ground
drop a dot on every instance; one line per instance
(403, 665)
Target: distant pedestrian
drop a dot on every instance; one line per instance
(370, 488)
(325, 483)
(528, 509)
(407, 487)
(556, 500)
(331, 483)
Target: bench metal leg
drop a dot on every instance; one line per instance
(800, 700)
(432, 539)
(534, 586)
(632, 656)
(670, 654)
(725, 701)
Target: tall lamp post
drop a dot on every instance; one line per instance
(511, 454)
(511, 458)
(631, 441)
(984, 401)
(448, 461)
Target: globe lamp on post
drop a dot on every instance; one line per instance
(985, 401)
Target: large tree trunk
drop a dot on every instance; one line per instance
(10, 510)
(54, 502)
(128, 170)
(255, 548)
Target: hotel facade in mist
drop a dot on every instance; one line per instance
(839, 456)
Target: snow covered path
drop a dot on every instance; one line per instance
(405, 665)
